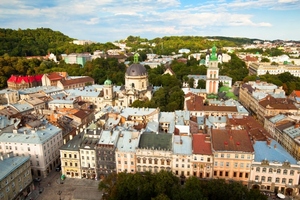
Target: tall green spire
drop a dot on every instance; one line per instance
(213, 56)
(136, 58)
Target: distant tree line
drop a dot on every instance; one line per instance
(166, 186)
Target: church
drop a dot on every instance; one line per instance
(136, 87)
(212, 78)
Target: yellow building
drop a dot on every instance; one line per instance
(15, 177)
(70, 157)
(233, 153)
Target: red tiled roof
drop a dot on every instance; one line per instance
(77, 80)
(195, 103)
(250, 58)
(201, 144)
(277, 103)
(26, 79)
(231, 140)
(254, 128)
(54, 76)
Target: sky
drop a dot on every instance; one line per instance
(115, 20)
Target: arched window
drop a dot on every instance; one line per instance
(257, 169)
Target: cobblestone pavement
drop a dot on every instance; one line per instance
(52, 188)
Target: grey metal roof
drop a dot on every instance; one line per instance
(10, 164)
(31, 136)
(277, 154)
(277, 118)
(128, 141)
(182, 145)
(136, 69)
(74, 144)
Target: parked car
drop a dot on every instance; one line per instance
(58, 168)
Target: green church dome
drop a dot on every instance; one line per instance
(107, 82)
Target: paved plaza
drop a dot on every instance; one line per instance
(52, 188)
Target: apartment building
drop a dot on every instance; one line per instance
(154, 152)
(233, 154)
(259, 69)
(37, 139)
(202, 161)
(70, 157)
(125, 153)
(15, 177)
(274, 169)
(88, 156)
(105, 151)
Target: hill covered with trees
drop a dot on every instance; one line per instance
(41, 41)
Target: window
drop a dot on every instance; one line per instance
(155, 161)
(70, 156)
(241, 174)
(285, 172)
(277, 180)
(28, 148)
(227, 164)
(235, 164)
(292, 172)
(195, 158)
(216, 163)
(263, 178)
(284, 180)
(236, 156)
(216, 155)
(215, 173)
(242, 156)
(228, 155)
(208, 159)
(221, 173)
(270, 170)
(290, 181)
(242, 165)
(226, 173)
(234, 174)
(264, 169)
(221, 164)
(246, 175)
(162, 161)
(269, 179)
(257, 169)
(256, 178)
(65, 155)
(222, 155)
(150, 161)
(278, 171)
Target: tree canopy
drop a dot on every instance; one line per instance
(165, 185)
(41, 41)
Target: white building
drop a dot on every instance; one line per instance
(38, 139)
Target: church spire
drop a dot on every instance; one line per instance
(213, 56)
(136, 58)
